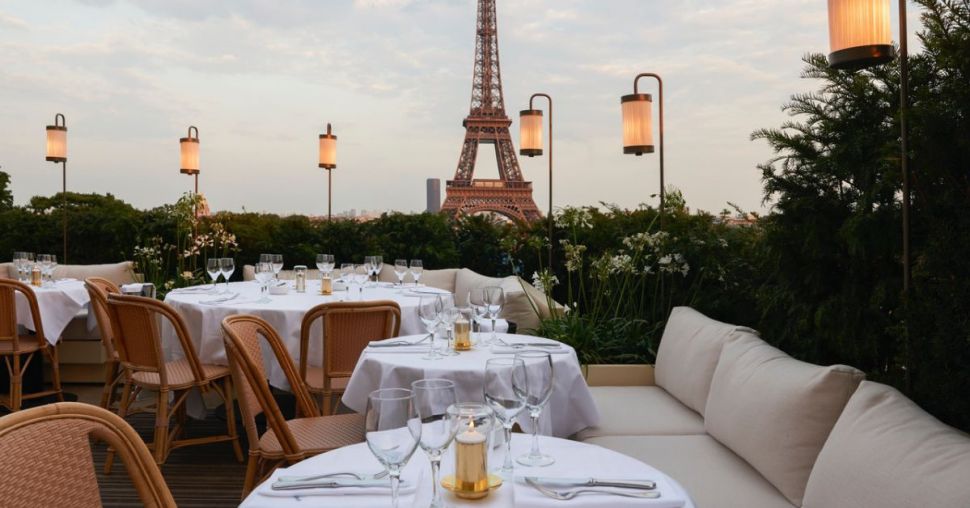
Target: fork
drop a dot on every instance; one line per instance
(359, 476)
(565, 495)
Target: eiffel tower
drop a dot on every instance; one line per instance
(487, 123)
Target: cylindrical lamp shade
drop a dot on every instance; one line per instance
(530, 132)
(56, 143)
(328, 150)
(859, 33)
(637, 123)
(190, 153)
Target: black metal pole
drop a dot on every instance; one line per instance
(660, 96)
(549, 217)
(64, 206)
(904, 169)
(329, 196)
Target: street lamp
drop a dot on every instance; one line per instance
(638, 127)
(189, 148)
(57, 152)
(530, 145)
(860, 37)
(328, 161)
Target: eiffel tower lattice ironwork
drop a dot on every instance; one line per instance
(487, 123)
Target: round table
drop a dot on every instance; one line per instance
(570, 409)
(59, 303)
(573, 459)
(283, 312)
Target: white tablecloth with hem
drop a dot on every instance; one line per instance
(58, 305)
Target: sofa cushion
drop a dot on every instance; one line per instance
(688, 353)
(119, 273)
(441, 279)
(776, 412)
(640, 411)
(8, 271)
(712, 475)
(885, 451)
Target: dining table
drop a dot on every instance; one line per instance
(204, 307)
(396, 364)
(59, 302)
(574, 460)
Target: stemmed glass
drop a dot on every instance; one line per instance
(392, 430)
(417, 268)
(438, 427)
(400, 269)
(53, 267)
(18, 263)
(360, 275)
(494, 300)
(449, 314)
(44, 260)
(378, 266)
(277, 261)
(325, 263)
(347, 272)
(476, 300)
(369, 266)
(501, 397)
(264, 274)
(212, 268)
(429, 310)
(533, 384)
(227, 266)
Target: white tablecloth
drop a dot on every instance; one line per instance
(283, 312)
(58, 305)
(573, 459)
(570, 408)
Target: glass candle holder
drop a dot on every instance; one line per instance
(471, 449)
(299, 272)
(463, 330)
(326, 285)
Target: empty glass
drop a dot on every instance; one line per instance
(212, 268)
(44, 260)
(277, 262)
(477, 302)
(392, 430)
(494, 300)
(227, 266)
(264, 274)
(325, 263)
(429, 310)
(448, 316)
(347, 272)
(53, 267)
(432, 397)
(501, 397)
(533, 384)
(417, 268)
(378, 266)
(400, 269)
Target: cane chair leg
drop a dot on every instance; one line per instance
(161, 428)
(252, 468)
(122, 412)
(16, 388)
(327, 406)
(227, 396)
(54, 358)
(110, 383)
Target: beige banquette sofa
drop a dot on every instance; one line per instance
(742, 425)
(80, 351)
(524, 304)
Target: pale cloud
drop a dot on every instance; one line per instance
(12, 22)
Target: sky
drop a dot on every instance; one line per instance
(262, 78)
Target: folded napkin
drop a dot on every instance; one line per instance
(381, 493)
(131, 288)
(191, 289)
(526, 496)
(392, 346)
(485, 325)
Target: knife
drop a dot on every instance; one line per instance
(593, 482)
(329, 484)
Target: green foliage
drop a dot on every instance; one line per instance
(6, 196)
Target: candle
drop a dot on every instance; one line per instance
(326, 286)
(471, 467)
(463, 339)
(35, 276)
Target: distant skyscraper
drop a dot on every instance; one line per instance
(434, 195)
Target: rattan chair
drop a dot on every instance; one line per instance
(347, 328)
(136, 326)
(99, 289)
(19, 350)
(285, 441)
(45, 457)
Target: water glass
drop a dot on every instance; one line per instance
(533, 385)
(392, 430)
(212, 268)
(429, 310)
(494, 300)
(400, 269)
(501, 397)
(227, 266)
(277, 262)
(432, 397)
(417, 268)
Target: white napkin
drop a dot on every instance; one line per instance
(485, 325)
(134, 287)
(526, 496)
(507, 350)
(410, 479)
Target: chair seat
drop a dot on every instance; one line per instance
(314, 380)
(179, 374)
(28, 344)
(317, 434)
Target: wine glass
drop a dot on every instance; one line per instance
(429, 310)
(346, 272)
(477, 302)
(212, 268)
(533, 384)
(53, 266)
(392, 430)
(449, 314)
(264, 274)
(44, 260)
(325, 263)
(265, 258)
(494, 300)
(227, 266)
(378, 266)
(417, 268)
(18, 263)
(438, 427)
(501, 397)
(400, 269)
(360, 275)
(277, 261)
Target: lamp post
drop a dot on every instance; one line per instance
(638, 127)
(57, 152)
(189, 148)
(328, 161)
(530, 145)
(860, 37)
